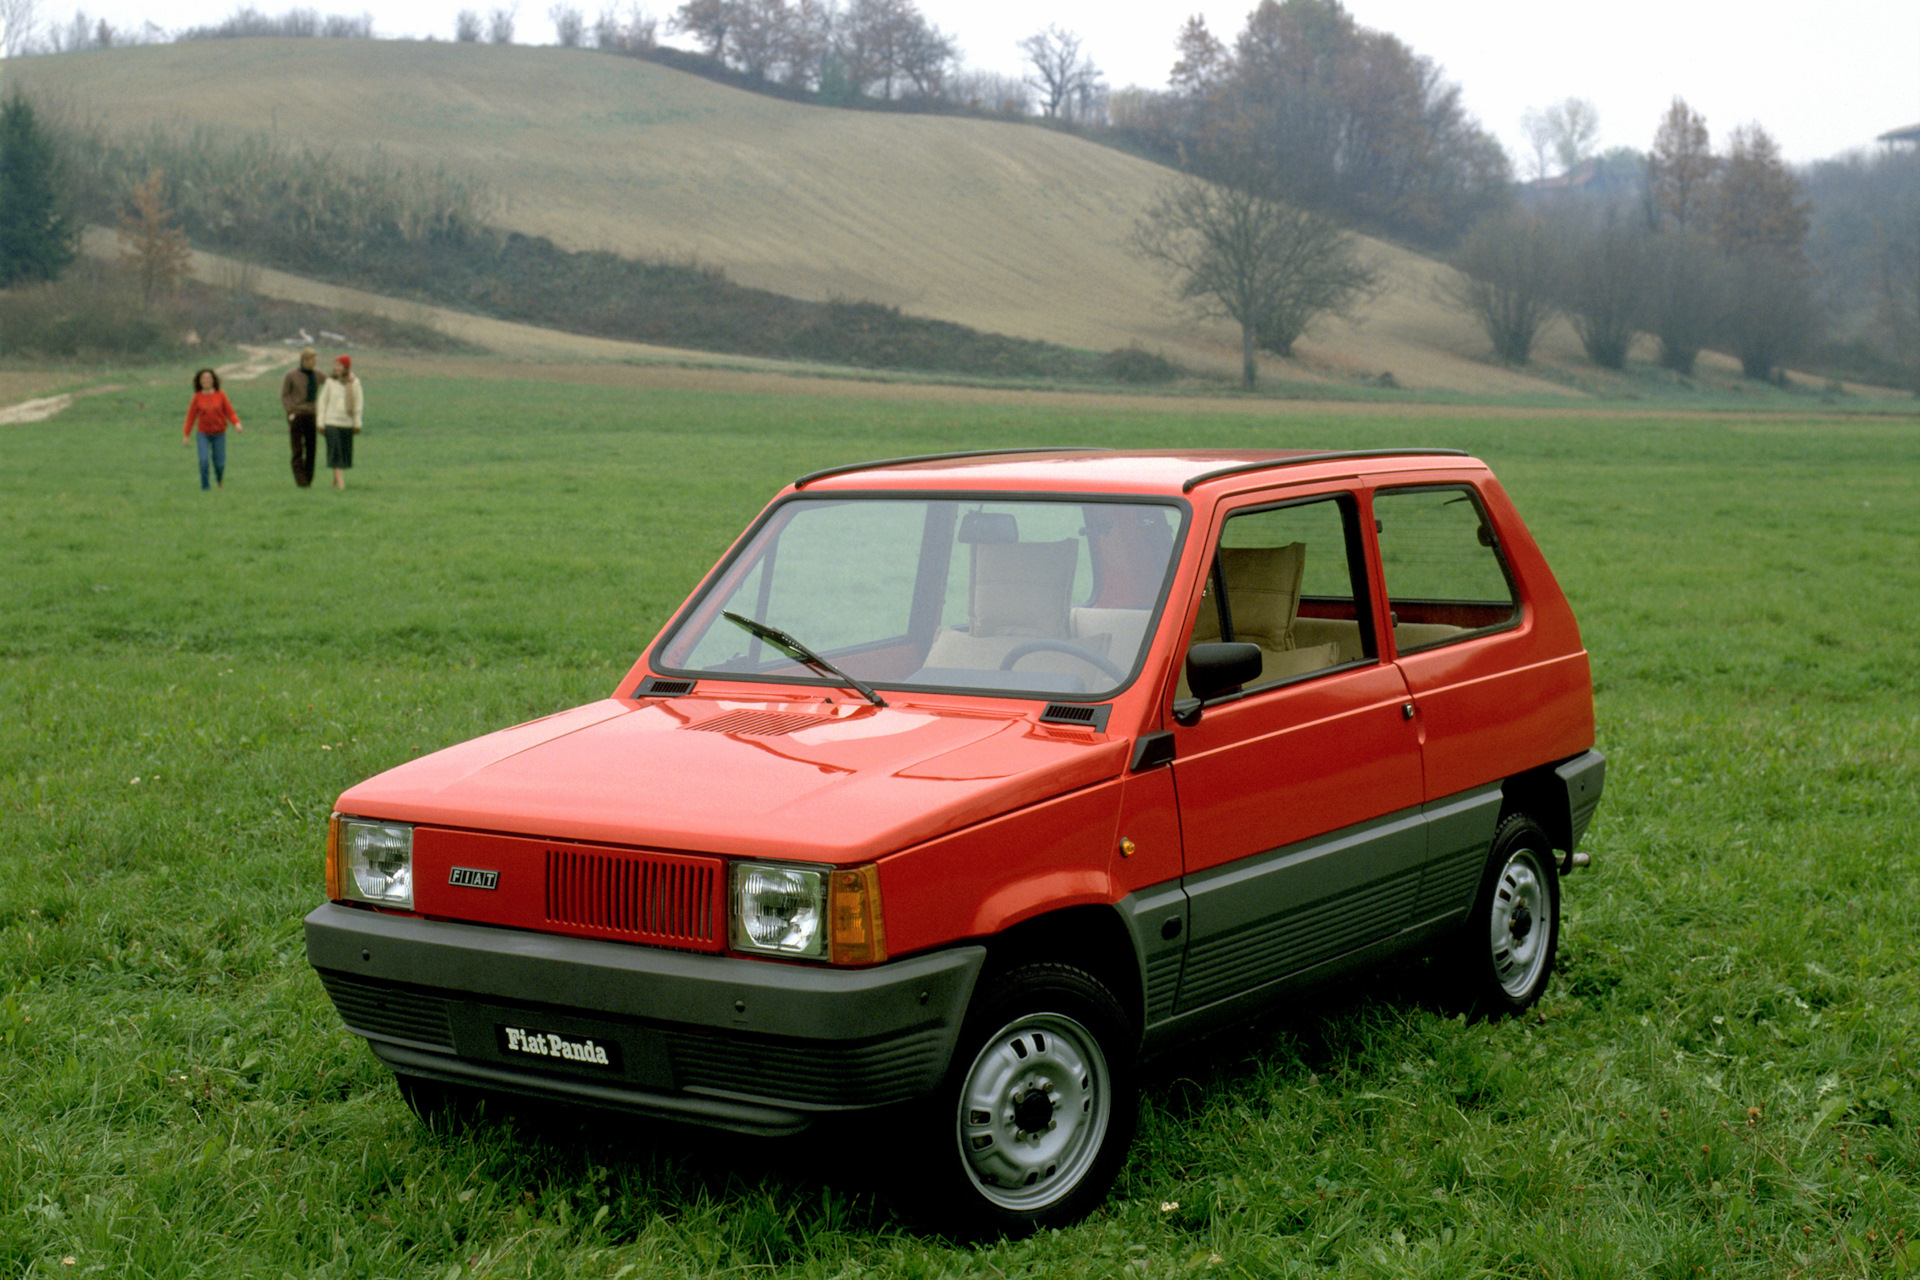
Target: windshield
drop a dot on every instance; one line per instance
(1039, 598)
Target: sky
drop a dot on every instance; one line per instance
(1823, 77)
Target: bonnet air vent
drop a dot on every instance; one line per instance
(759, 724)
(655, 687)
(1077, 715)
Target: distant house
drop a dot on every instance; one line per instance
(1907, 137)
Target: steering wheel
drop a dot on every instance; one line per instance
(1068, 647)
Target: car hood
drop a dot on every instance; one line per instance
(821, 781)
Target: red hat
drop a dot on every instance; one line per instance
(345, 360)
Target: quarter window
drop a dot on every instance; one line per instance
(1446, 579)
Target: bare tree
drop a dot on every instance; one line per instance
(1761, 220)
(18, 21)
(339, 26)
(151, 247)
(1771, 316)
(635, 33)
(1757, 202)
(926, 55)
(500, 24)
(991, 91)
(1540, 137)
(1680, 169)
(1900, 287)
(569, 25)
(1508, 265)
(1060, 75)
(1575, 123)
(1603, 287)
(1686, 296)
(466, 26)
(1202, 63)
(1272, 268)
(875, 45)
(706, 21)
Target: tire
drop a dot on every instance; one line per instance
(1038, 1108)
(1504, 955)
(442, 1108)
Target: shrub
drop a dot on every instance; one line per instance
(90, 313)
(1136, 365)
(1603, 289)
(1508, 266)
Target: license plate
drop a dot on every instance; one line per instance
(554, 1048)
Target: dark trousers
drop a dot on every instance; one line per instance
(302, 434)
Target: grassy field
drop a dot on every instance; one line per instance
(1723, 1080)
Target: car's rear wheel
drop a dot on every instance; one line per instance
(1039, 1107)
(1504, 955)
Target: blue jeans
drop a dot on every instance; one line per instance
(211, 449)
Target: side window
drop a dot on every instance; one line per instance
(1445, 577)
(1292, 580)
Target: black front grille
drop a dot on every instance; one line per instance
(818, 1073)
(398, 1013)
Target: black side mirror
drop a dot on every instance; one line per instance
(1214, 669)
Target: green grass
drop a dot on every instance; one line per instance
(1722, 1080)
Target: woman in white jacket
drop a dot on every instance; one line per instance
(338, 413)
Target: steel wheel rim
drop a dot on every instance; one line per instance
(1033, 1111)
(1521, 923)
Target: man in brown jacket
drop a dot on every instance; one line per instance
(297, 393)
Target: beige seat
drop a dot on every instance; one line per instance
(1021, 591)
(1263, 597)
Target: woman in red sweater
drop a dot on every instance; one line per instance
(208, 414)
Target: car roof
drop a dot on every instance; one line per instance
(1170, 472)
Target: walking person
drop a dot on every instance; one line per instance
(298, 392)
(208, 415)
(338, 410)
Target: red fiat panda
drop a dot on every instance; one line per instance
(962, 782)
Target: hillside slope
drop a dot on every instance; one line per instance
(1008, 228)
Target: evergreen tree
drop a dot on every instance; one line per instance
(36, 236)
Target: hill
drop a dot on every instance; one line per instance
(1003, 227)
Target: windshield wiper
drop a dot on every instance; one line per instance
(800, 653)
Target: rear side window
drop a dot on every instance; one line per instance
(1446, 579)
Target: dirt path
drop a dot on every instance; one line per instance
(259, 361)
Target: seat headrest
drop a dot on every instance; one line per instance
(1023, 588)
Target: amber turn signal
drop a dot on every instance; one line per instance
(857, 932)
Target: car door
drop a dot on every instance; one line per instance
(1299, 795)
(1495, 687)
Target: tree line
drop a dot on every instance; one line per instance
(1698, 249)
(1308, 125)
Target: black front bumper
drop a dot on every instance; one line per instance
(741, 1044)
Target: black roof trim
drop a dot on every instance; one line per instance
(851, 467)
(1241, 468)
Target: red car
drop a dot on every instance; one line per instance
(962, 782)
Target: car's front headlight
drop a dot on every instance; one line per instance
(371, 862)
(807, 913)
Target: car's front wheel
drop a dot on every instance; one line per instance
(443, 1108)
(1505, 953)
(1039, 1107)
